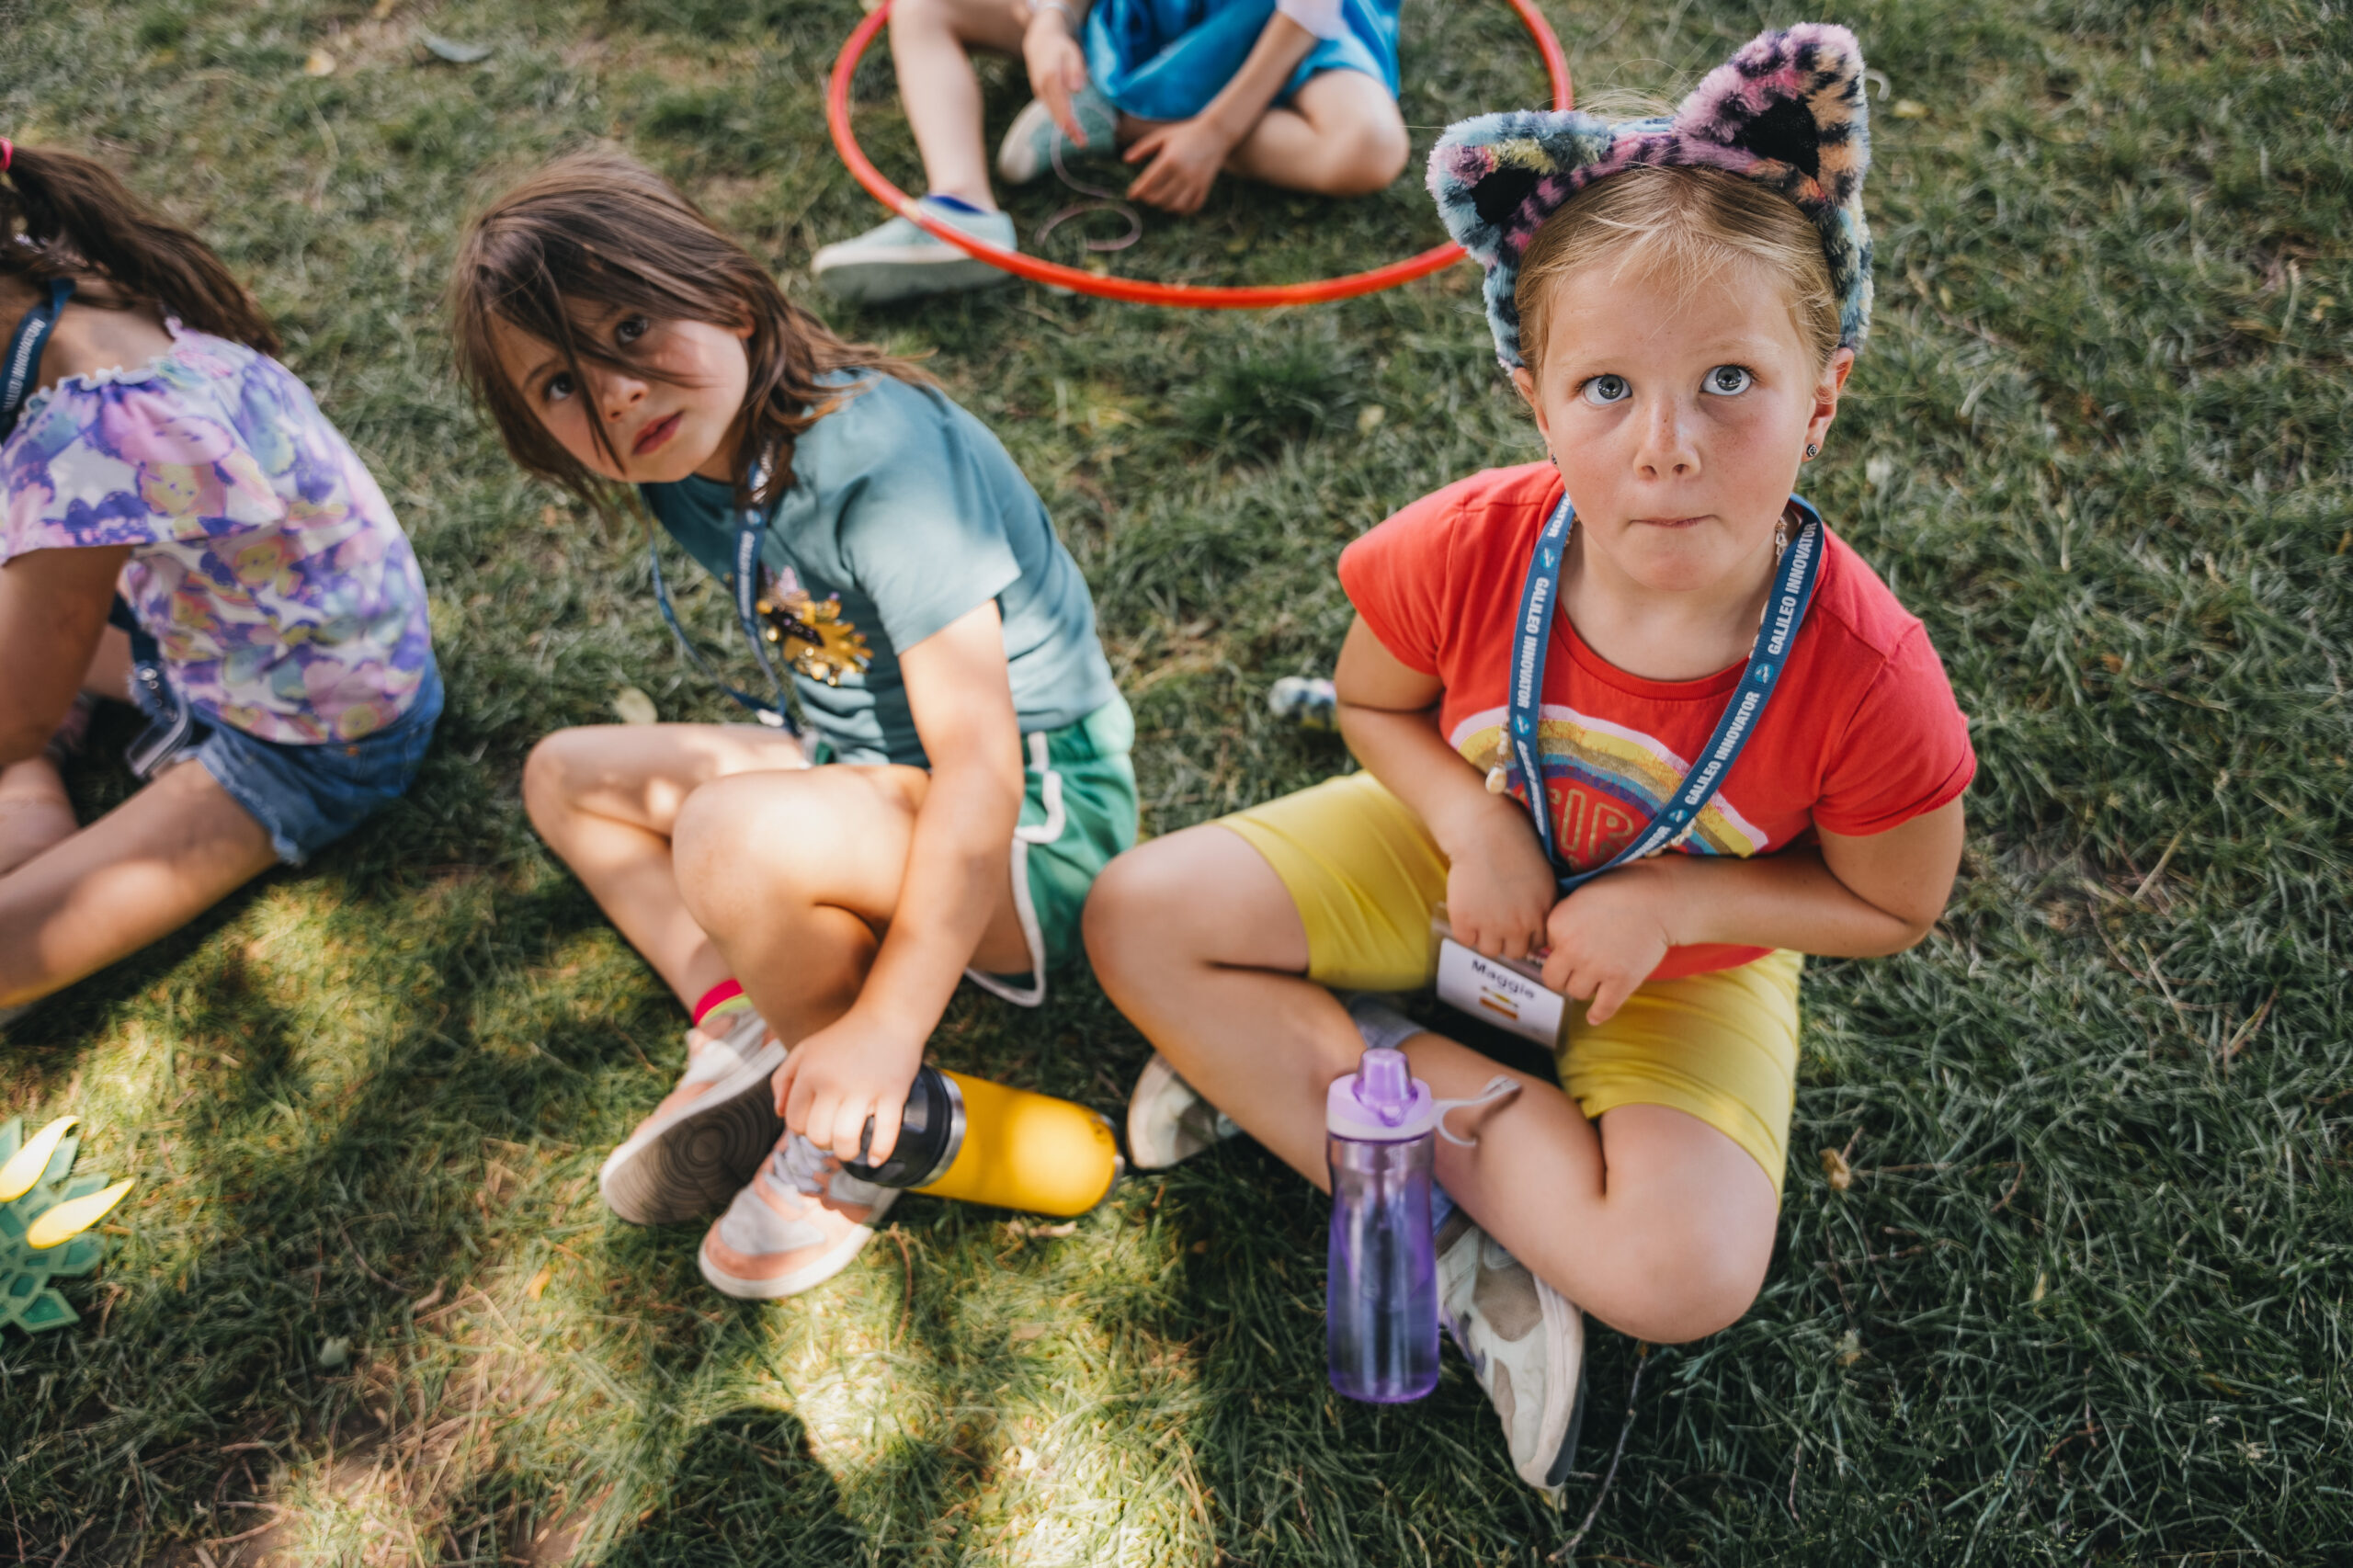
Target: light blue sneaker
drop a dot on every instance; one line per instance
(1028, 150)
(898, 261)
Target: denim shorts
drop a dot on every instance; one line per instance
(305, 797)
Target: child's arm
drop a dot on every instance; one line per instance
(1187, 156)
(1851, 898)
(52, 611)
(1056, 60)
(862, 1063)
(1498, 886)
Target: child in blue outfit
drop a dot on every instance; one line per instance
(1296, 93)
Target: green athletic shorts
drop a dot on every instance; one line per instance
(1077, 811)
(1078, 808)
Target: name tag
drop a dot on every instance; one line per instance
(1502, 993)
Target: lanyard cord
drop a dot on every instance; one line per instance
(751, 523)
(1795, 577)
(23, 364)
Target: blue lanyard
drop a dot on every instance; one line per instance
(22, 367)
(751, 524)
(1792, 594)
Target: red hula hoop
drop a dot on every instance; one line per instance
(1135, 290)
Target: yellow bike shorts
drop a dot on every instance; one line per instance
(1366, 876)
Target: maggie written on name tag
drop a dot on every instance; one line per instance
(1503, 992)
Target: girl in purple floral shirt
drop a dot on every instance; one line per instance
(181, 528)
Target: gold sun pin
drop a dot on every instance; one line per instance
(814, 636)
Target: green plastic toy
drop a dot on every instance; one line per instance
(44, 1212)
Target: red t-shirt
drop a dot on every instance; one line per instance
(1862, 734)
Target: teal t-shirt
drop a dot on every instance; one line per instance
(909, 515)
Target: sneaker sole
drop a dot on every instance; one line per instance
(691, 1161)
(880, 282)
(809, 1276)
(1556, 1474)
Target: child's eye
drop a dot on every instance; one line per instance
(1728, 381)
(631, 328)
(1602, 391)
(559, 387)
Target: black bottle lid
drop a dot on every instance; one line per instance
(931, 1131)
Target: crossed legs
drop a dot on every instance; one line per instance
(1651, 1219)
(717, 851)
(1340, 135)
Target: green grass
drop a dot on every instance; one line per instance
(2084, 1299)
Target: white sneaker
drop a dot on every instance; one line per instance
(794, 1226)
(898, 261)
(1168, 1121)
(709, 1135)
(1028, 150)
(1525, 1341)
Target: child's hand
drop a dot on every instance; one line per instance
(1057, 67)
(1499, 888)
(1186, 157)
(847, 1072)
(1608, 936)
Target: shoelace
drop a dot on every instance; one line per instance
(802, 1165)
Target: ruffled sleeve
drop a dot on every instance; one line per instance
(109, 466)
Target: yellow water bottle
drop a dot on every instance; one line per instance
(967, 1138)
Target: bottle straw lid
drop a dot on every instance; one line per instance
(1381, 1102)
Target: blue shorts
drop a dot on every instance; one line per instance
(1166, 58)
(304, 797)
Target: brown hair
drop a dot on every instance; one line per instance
(65, 216)
(599, 228)
(1687, 224)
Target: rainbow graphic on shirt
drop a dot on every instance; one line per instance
(1604, 781)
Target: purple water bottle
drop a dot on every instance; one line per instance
(1380, 1294)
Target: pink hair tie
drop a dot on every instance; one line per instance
(7, 153)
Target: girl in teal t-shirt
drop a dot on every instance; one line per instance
(813, 920)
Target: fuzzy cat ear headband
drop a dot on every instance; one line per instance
(1787, 111)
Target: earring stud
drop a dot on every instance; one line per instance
(1813, 450)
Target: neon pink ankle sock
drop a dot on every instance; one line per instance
(718, 997)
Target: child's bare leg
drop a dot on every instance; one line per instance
(605, 797)
(1196, 940)
(34, 810)
(931, 45)
(144, 869)
(796, 877)
(108, 676)
(1340, 135)
(1656, 1224)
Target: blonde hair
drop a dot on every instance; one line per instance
(1685, 224)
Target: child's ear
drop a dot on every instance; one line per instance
(1827, 390)
(1524, 384)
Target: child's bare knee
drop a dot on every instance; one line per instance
(1692, 1294)
(930, 16)
(548, 778)
(1378, 151)
(714, 850)
(1127, 899)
